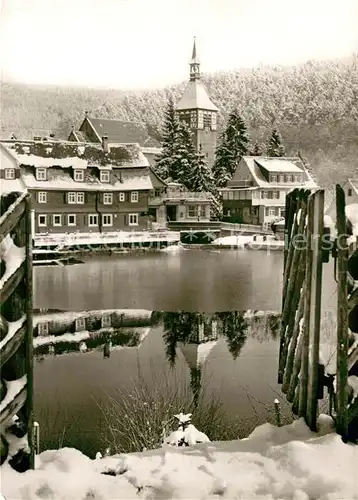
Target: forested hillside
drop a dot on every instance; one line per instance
(314, 106)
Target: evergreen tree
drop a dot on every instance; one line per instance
(256, 150)
(233, 146)
(184, 156)
(275, 147)
(164, 162)
(200, 177)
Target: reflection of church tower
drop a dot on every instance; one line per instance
(196, 108)
(197, 350)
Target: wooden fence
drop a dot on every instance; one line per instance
(301, 372)
(16, 343)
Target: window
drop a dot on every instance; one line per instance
(297, 178)
(193, 119)
(134, 197)
(106, 321)
(200, 119)
(79, 175)
(202, 211)
(80, 198)
(42, 220)
(104, 176)
(107, 198)
(157, 192)
(282, 212)
(273, 178)
(41, 197)
(57, 220)
(213, 121)
(80, 324)
(270, 195)
(71, 197)
(133, 220)
(263, 194)
(350, 192)
(107, 219)
(207, 119)
(9, 173)
(41, 174)
(270, 211)
(277, 194)
(42, 329)
(122, 197)
(71, 220)
(92, 220)
(192, 211)
(289, 178)
(282, 178)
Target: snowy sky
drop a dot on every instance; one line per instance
(147, 43)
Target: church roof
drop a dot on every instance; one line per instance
(196, 97)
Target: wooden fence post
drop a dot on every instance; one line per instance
(303, 377)
(315, 315)
(342, 315)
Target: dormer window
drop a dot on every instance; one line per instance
(104, 175)
(41, 174)
(9, 173)
(78, 175)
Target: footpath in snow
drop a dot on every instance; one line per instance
(287, 463)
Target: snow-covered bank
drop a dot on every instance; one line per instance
(259, 242)
(272, 463)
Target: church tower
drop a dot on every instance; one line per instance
(196, 108)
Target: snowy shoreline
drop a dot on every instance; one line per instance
(288, 462)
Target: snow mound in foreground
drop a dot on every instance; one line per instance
(272, 463)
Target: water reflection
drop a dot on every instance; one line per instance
(234, 326)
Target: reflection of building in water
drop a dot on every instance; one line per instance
(196, 350)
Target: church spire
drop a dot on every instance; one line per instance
(194, 64)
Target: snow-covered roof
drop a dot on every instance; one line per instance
(67, 154)
(61, 178)
(255, 166)
(10, 185)
(196, 97)
(354, 184)
(278, 165)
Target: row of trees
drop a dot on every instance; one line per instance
(180, 162)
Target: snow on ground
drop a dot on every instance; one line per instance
(13, 256)
(118, 237)
(234, 241)
(352, 215)
(287, 463)
(244, 241)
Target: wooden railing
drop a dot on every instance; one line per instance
(301, 372)
(16, 343)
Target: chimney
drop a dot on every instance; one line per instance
(105, 143)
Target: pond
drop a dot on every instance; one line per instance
(238, 362)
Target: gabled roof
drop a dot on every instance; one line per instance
(70, 154)
(255, 164)
(9, 185)
(196, 97)
(354, 184)
(122, 131)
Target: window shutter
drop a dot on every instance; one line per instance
(125, 219)
(66, 197)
